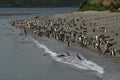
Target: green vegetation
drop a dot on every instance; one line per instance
(40, 3)
(100, 5)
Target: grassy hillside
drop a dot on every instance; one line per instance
(40, 3)
(101, 5)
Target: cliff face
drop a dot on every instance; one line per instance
(40, 3)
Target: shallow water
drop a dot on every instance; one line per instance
(22, 59)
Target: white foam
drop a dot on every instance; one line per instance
(83, 64)
(44, 47)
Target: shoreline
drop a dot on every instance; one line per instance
(86, 30)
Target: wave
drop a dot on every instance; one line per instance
(72, 60)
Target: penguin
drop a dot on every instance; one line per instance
(78, 57)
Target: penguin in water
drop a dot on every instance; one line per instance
(60, 55)
(68, 54)
(79, 57)
(45, 54)
(63, 55)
